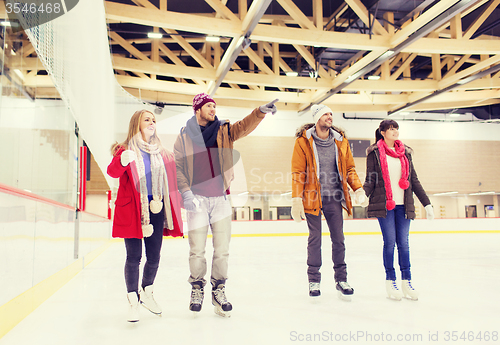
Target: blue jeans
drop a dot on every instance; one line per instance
(395, 230)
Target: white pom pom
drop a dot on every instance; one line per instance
(155, 206)
(147, 230)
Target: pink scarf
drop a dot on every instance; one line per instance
(384, 150)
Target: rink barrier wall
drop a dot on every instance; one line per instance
(40, 251)
(356, 227)
(365, 227)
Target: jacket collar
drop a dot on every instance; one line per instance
(373, 147)
(336, 135)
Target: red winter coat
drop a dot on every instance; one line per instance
(127, 219)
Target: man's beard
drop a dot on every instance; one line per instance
(325, 127)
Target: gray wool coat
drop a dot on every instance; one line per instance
(375, 188)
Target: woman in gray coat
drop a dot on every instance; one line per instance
(390, 183)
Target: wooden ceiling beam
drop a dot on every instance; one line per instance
(127, 46)
(222, 10)
(359, 8)
(295, 12)
(469, 71)
(481, 19)
(422, 20)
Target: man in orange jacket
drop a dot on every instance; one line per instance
(322, 169)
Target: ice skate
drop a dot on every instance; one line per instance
(314, 290)
(133, 311)
(147, 301)
(345, 292)
(221, 306)
(197, 294)
(408, 291)
(392, 290)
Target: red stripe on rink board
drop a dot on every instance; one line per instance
(28, 195)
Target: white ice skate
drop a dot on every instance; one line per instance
(133, 311)
(147, 301)
(392, 290)
(408, 291)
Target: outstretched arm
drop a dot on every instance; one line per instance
(242, 128)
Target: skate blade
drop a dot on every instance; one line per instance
(394, 298)
(221, 312)
(152, 312)
(343, 297)
(410, 298)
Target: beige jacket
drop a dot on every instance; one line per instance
(227, 134)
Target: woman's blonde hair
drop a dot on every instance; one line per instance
(134, 130)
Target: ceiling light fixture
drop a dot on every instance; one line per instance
(374, 77)
(445, 193)
(292, 74)
(483, 193)
(155, 35)
(212, 39)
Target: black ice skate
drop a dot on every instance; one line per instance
(196, 297)
(221, 306)
(314, 290)
(345, 291)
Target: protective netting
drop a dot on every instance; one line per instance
(74, 49)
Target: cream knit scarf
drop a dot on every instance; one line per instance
(159, 184)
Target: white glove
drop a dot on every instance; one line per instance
(298, 210)
(269, 107)
(429, 211)
(147, 230)
(127, 157)
(189, 201)
(360, 197)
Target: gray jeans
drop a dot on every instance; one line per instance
(332, 209)
(216, 213)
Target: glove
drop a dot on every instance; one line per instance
(189, 199)
(127, 157)
(147, 230)
(360, 197)
(269, 107)
(298, 210)
(429, 211)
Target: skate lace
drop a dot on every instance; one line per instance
(409, 285)
(394, 286)
(220, 295)
(196, 296)
(313, 286)
(344, 285)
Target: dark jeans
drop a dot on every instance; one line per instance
(332, 209)
(134, 255)
(395, 230)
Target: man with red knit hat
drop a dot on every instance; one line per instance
(204, 159)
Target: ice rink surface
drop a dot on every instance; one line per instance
(457, 275)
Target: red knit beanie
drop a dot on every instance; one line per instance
(201, 99)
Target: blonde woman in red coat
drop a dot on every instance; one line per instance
(147, 175)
